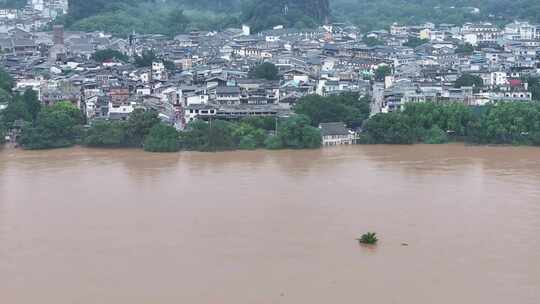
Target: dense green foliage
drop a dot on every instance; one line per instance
(296, 132)
(264, 14)
(138, 126)
(516, 123)
(23, 107)
(5, 96)
(31, 103)
(55, 127)
(16, 110)
(2, 135)
(347, 108)
(79, 9)
(172, 16)
(108, 54)
(130, 133)
(453, 117)
(61, 126)
(169, 17)
(465, 49)
(372, 41)
(248, 136)
(382, 71)
(146, 58)
(293, 132)
(534, 87)
(12, 3)
(266, 71)
(212, 136)
(370, 15)
(435, 135)
(106, 134)
(6, 81)
(391, 128)
(3, 131)
(468, 80)
(162, 138)
(20, 107)
(509, 123)
(415, 42)
(369, 238)
(420, 122)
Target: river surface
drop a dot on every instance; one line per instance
(88, 226)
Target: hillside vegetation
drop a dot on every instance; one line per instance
(381, 13)
(12, 3)
(174, 16)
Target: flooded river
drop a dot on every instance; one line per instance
(91, 226)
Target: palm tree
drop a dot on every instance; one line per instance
(369, 238)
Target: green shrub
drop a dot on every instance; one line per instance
(162, 138)
(369, 238)
(2, 136)
(106, 134)
(435, 135)
(273, 143)
(247, 143)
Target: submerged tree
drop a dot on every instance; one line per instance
(369, 238)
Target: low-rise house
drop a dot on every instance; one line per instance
(336, 133)
(228, 95)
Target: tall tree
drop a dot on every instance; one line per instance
(6, 81)
(266, 71)
(177, 22)
(139, 124)
(32, 103)
(468, 80)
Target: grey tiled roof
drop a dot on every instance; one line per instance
(333, 128)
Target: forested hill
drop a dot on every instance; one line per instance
(12, 3)
(262, 14)
(155, 15)
(380, 13)
(171, 16)
(79, 9)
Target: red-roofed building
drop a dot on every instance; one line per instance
(515, 83)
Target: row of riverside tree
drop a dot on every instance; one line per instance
(144, 129)
(293, 132)
(516, 123)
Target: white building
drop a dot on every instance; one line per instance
(478, 33)
(158, 71)
(120, 109)
(398, 30)
(498, 78)
(335, 133)
(521, 31)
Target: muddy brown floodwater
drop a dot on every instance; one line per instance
(92, 226)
